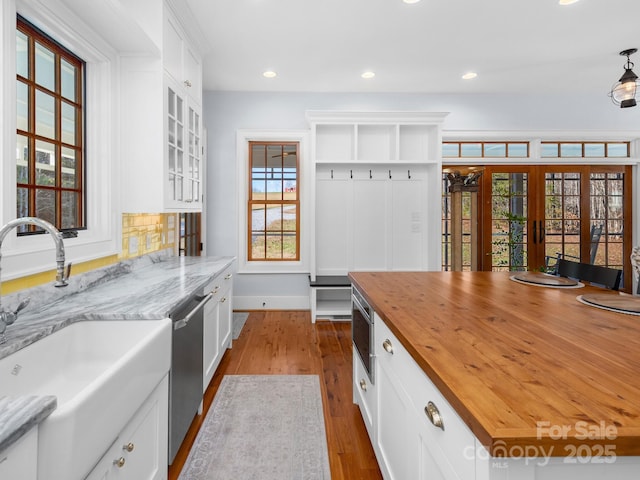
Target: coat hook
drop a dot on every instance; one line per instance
(389, 174)
(370, 176)
(409, 174)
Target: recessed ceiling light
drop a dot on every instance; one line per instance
(469, 75)
(567, 2)
(368, 74)
(410, 1)
(269, 74)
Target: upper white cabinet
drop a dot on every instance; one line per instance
(180, 58)
(376, 137)
(161, 125)
(377, 188)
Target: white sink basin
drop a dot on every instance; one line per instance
(100, 372)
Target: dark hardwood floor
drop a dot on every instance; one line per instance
(286, 342)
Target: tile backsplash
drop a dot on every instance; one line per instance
(142, 233)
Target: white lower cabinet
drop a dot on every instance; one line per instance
(17, 462)
(218, 315)
(364, 395)
(417, 435)
(410, 442)
(140, 451)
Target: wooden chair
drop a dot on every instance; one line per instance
(607, 277)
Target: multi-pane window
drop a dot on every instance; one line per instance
(274, 202)
(485, 149)
(49, 114)
(585, 149)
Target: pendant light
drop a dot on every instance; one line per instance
(623, 92)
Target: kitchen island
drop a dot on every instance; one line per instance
(530, 371)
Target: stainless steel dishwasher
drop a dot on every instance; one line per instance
(185, 376)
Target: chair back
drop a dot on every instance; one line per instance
(608, 277)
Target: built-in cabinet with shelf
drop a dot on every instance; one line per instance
(17, 461)
(218, 317)
(140, 451)
(377, 189)
(161, 125)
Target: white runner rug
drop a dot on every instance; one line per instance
(262, 427)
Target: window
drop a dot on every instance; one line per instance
(485, 149)
(50, 118)
(274, 202)
(585, 149)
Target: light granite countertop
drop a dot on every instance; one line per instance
(148, 288)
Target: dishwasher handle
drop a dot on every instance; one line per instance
(177, 325)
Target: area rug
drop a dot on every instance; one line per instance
(262, 427)
(239, 318)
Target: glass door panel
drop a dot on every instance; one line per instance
(506, 226)
(562, 215)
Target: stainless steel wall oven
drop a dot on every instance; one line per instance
(362, 331)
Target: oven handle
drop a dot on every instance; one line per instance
(184, 321)
(362, 309)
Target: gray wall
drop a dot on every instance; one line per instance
(226, 112)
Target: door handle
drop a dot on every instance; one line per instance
(541, 231)
(534, 232)
(184, 321)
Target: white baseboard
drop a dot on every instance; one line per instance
(271, 303)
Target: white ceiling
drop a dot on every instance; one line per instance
(520, 46)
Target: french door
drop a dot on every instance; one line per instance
(530, 214)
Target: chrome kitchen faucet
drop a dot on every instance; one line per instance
(7, 318)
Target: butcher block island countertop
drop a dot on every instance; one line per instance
(518, 362)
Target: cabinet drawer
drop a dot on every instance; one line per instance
(221, 284)
(451, 447)
(364, 394)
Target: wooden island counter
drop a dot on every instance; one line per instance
(530, 370)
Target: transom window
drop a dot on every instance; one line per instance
(585, 149)
(485, 149)
(49, 149)
(274, 202)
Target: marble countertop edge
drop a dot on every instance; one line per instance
(18, 415)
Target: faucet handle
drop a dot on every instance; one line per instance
(22, 305)
(67, 272)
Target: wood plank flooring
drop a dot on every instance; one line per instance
(286, 342)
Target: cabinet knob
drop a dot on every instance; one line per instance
(387, 346)
(228, 276)
(223, 299)
(434, 415)
(187, 83)
(119, 462)
(128, 447)
(363, 385)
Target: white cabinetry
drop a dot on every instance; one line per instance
(364, 395)
(377, 187)
(17, 462)
(140, 450)
(417, 434)
(218, 315)
(161, 126)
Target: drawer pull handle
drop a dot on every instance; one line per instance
(119, 462)
(363, 385)
(387, 346)
(128, 447)
(434, 415)
(228, 276)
